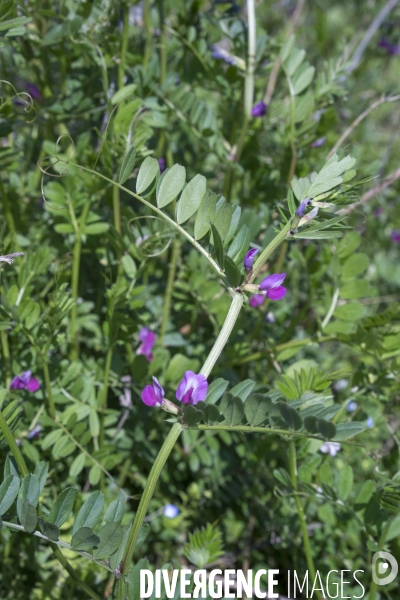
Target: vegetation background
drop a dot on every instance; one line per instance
(87, 82)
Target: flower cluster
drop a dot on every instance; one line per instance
(191, 390)
(271, 287)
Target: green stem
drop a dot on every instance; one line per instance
(7, 209)
(107, 368)
(72, 573)
(147, 27)
(124, 46)
(12, 444)
(155, 472)
(7, 358)
(163, 54)
(116, 209)
(231, 318)
(300, 512)
(260, 262)
(47, 383)
(170, 286)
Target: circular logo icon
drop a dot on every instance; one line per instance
(383, 564)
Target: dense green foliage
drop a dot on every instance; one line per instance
(95, 98)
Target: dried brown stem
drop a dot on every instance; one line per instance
(373, 192)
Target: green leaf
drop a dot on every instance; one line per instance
(14, 23)
(90, 512)
(294, 61)
(49, 529)
(215, 390)
(310, 423)
(30, 490)
(28, 516)
(192, 415)
(283, 477)
(354, 289)
(115, 512)
(77, 465)
(355, 265)
(62, 507)
(149, 170)
(127, 165)
(124, 92)
(170, 186)
(218, 245)
(190, 198)
(8, 492)
(205, 215)
(211, 414)
(237, 211)
(303, 80)
(232, 409)
(326, 428)
(290, 415)
(240, 245)
(110, 538)
(345, 484)
(243, 389)
(41, 473)
(223, 219)
(352, 311)
(96, 228)
(129, 266)
(84, 539)
(317, 235)
(64, 228)
(232, 272)
(345, 431)
(256, 409)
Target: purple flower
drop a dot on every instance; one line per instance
(161, 164)
(272, 287)
(35, 432)
(302, 206)
(171, 511)
(370, 423)
(249, 259)
(391, 49)
(33, 91)
(395, 236)
(221, 54)
(257, 300)
(148, 339)
(192, 389)
(319, 142)
(153, 395)
(259, 109)
(25, 381)
(352, 406)
(331, 448)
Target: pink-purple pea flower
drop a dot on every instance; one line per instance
(25, 381)
(148, 339)
(395, 236)
(161, 164)
(259, 109)
(302, 206)
(257, 300)
(153, 395)
(319, 142)
(192, 389)
(272, 286)
(249, 259)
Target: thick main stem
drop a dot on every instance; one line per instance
(148, 493)
(224, 334)
(300, 512)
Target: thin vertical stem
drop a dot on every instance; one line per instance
(12, 444)
(103, 406)
(163, 53)
(116, 209)
(147, 28)
(7, 209)
(7, 358)
(300, 512)
(49, 394)
(124, 46)
(170, 286)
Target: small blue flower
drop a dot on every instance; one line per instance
(302, 206)
(370, 423)
(171, 511)
(352, 406)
